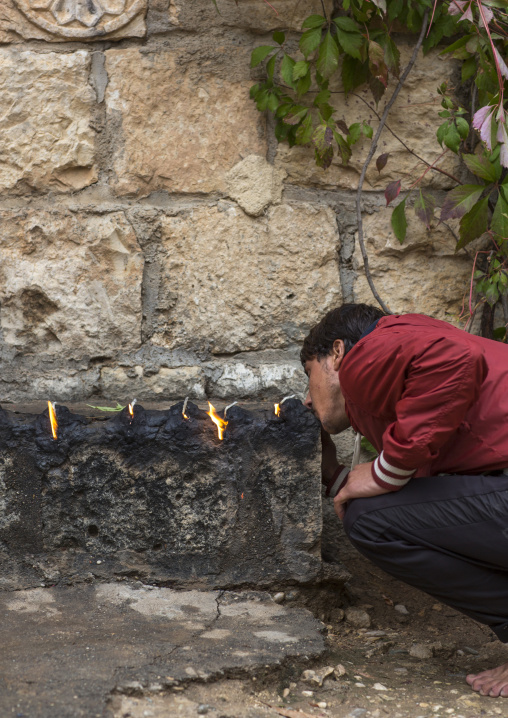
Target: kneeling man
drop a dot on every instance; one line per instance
(432, 509)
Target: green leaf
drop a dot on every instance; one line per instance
(309, 41)
(469, 68)
(273, 102)
(328, 57)
(254, 91)
(286, 71)
(424, 207)
(474, 223)
(441, 132)
(452, 138)
(303, 85)
(456, 45)
(367, 130)
(304, 132)
(347, 24)
(460, 200)
(300, 69)
(297, 114)
(392, 54)
(491, 293)
(313, 21)
(377, 63)
(322, 97)
(351, 43)
(499, 222)
(354, 134)
(462, 127)
(399, 221)
(270, 67)
(118, 407)
(279, 37)
(344, 149)
(481, 167)
(354, 73)
(259, 54)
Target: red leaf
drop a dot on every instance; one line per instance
(342, 126)
(381, 161)
(392, 191)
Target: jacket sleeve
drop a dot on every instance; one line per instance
(442, 383)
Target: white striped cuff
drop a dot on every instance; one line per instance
(389, 476)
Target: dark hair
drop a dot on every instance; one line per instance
(347, 322)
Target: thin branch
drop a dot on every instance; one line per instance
(411, 152)
(371, 155)
(324, 10)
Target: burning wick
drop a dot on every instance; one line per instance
(131, 408)
(52, 419)
(229, 407)
(278, 406)
(184, 407)
(220, 423)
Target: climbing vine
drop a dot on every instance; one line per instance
(357, 44)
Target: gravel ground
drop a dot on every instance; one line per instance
(395, 652)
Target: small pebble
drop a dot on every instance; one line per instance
(401, 609)
(357, 617)
(339, 670)
(421, 651)
(308, 694)
(99, 562)
(322, 704)
(279, 597)
(360, 685)
(285, 692)
(379, 687)
(203, 709)
(357, 712)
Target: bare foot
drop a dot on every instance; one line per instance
(493, 682)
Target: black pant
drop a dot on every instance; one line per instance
(446, 535)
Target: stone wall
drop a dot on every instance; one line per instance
(155, 240)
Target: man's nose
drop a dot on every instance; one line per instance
(308, 401)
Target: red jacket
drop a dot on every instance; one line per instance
(431, 398)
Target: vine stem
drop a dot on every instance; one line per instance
(371, 155)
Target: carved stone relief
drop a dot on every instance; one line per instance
(79, 19)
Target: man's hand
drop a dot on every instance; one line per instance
(329, 461)
(360, 484)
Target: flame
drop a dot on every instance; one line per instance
(277, 409)
(242, 495)
(185, 415)
(52, 419)
(131, 410)
(221, 423)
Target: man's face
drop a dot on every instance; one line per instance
(324, 397)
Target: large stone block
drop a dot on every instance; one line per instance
(161, 496)
(422, 275)
(254, 15)
(70, 284)
(74, 20)
(243, 378)
(414, 118)
(181, 127)
(254, 183)
(167, 383)
(243, 284)
(46, 141)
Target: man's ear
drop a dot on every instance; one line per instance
(338, 352)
